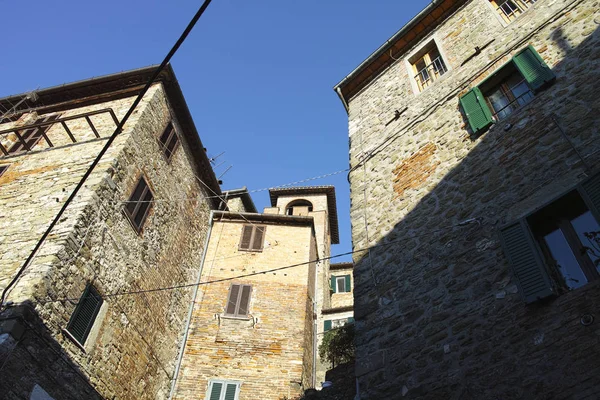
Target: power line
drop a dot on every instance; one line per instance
(107, 145)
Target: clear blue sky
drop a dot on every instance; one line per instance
(257, 75)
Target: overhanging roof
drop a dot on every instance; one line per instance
(121, 85)
(244, 195)
(331, 203)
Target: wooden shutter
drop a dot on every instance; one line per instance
(347, 283)
(232, 301)
(215, 391)
(230, 392)
(533, 68)
(476, 109)
(245, 300)
(259, 233)
(327, 325)
(85, 313)
(246, 237)
(590, 192)
(332, 284)
(526, 263)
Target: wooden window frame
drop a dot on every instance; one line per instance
(170, 135)
(224, 383)
(252, 246)
(90, 290)
(424, 54)
(236, 312)
(132, 215)
(522, 7)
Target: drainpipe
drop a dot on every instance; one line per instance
(341, 96)
(189, 318)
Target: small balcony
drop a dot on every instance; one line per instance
(430, 73)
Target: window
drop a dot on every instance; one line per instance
(509, 10)
(139, 204)
(238, 301)
(83, 318)
(511, 87)
(289, 210)
(31, 136)
(557, 249)
(340, 284)
(337, 323)
(168, 141)
(3, 169)
(223, 390)
(252, 238)
(428, 66)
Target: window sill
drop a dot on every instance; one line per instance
(251, 251)
(72, 339)
(223, 316)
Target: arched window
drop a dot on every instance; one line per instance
(289, 210)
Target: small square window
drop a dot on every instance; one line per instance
(428, 66)
(223, 390)
(168, 141)
(238, 301)
(509, 10)
(139, 204)
(252, 238)
(85, 314)
(341, 284)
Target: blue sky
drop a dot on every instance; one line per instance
(257, 76)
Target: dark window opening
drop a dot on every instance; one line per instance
(289, 210)
(569, 237)
(238, 301)
(85, 314)
(168, 141)
(139, 204)
(3, 169)
(252, 238)
(506, 92)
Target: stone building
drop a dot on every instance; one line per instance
(253, 329)
(71, 328)
(474, 155)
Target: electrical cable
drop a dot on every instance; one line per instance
(107, 145)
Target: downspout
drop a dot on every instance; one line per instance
(341, 96)
(191, 310)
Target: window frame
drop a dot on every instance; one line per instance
(172, 136)
(89, 289)
(236, 312)
(251, 244)
(131, 216)
(224, 383)
(506, 90)
(419, 53)
(501, 16)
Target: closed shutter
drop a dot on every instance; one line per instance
(245, 300)
(234, 292)
(590, 191)
(246, 237)
(347, 282)
(85, 314)
(259, 233)
(230, 392)
(332, 285)
(215, 392)
(476, 109)
(533, 68)
(327, 325)
(528, 268)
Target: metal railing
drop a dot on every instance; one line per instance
(431, 72)
(511, 9)
(35, 132)
(514, 105)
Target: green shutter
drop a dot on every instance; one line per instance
(476, 109)
(215, 392)
(350, 320)
(533, 68)
(590, 191)
(85, 313)
(332, 285)
(527, 266)
(230, 391)
(327, 325)
(347, 279)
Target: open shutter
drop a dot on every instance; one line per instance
(230, 392)
(476, 109)
(234, 292)
(85, 314)
(347, 282)
(245, 300)
(590, 191)
(327, 325)
(215, 391)
(533, 68)
(259, 234)
(528, 268)
(332, 284)
(246, 237)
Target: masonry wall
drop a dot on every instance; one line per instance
(438, 313)
(271, 352)
(132, 348)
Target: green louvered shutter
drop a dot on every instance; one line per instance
(83, 318)
(215, 391)
(230, 391)
(332, 285)
(590, 191)
(347, 281)
(527, 266)
(533, 68)
(327, 325)
(476, 109)
(350, 320)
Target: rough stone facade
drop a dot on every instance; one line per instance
(438, 310)
(133, 345)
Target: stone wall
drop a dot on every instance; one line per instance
(437, 310)
(134, 343)
(271, 351)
